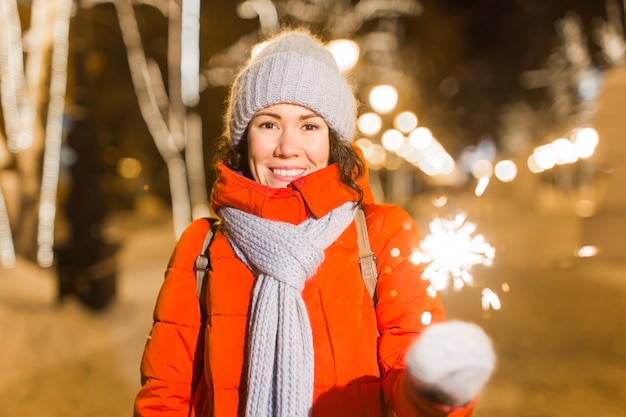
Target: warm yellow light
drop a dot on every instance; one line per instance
(392, 139)
(585, 208)
(407, 151)
(505, 171)
(383, 98)
(421, 138)
(346, 53)
(532, 165)
(439, 163)
(586, 251)
(365, 145)
(482, 168)
(377, 157)
(369, 123)
(564, 151)
(405, 121)
(129, 168)
(585, 142)
(544, 157)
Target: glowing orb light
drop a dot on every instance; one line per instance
(450, 252)
(346, 53)
(383, 98)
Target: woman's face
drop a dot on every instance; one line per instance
(286, 142)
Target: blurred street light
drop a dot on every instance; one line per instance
(563, 151)
(505, 170)
(405, 121)
(369, 123)
(383, 98)
(346, 53)
(585, 142)
(392, 139)
(421, 138)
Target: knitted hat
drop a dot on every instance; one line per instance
(293, 68)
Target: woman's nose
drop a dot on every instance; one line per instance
(287, 144)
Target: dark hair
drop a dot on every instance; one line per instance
(349, 164)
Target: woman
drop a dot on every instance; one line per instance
(291, 329)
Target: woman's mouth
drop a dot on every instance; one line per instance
(288, 173)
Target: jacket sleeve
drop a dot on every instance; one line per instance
(403, 310)
(172, 358)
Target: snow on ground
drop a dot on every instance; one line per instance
(63, 359)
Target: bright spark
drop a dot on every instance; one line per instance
(490, 300)
(450, 251)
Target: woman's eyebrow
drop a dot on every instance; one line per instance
(309, 116)
(265, 113)
(277, 116)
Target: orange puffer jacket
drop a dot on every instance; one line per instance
(358, 347)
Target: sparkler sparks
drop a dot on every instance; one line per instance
(450, 251)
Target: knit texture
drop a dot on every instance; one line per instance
(452, 361)
(293, 68)
(280, 346)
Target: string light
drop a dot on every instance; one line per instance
(7, 251)
(158, 128)
(53, 138)
(190, 53)
(15, 105)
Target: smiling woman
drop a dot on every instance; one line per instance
(289, 328)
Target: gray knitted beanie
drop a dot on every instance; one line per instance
(293, 68)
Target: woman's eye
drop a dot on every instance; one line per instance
(310, 127)
(267, 125)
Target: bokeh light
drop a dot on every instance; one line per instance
(129, 168)
(383, 98)
(544, 157)
(392, 139)
(405, 121)
(346, 53)
(585, 142)
(369, 123)
(482, 168)
(532, 165)
(505, 170)
(564, 151)
(587, 251)
(421, 138)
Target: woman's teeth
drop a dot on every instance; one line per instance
(287, 172)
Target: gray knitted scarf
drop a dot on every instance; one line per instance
(280, 346)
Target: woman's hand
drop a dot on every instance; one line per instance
(451, 362)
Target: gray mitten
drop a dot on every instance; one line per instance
(451, 362)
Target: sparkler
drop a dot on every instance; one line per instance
(450, 252)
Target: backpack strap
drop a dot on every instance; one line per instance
(203, 263)
(367, 259)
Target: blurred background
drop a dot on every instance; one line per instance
(498, 125)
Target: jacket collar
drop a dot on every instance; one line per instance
(313, 195)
